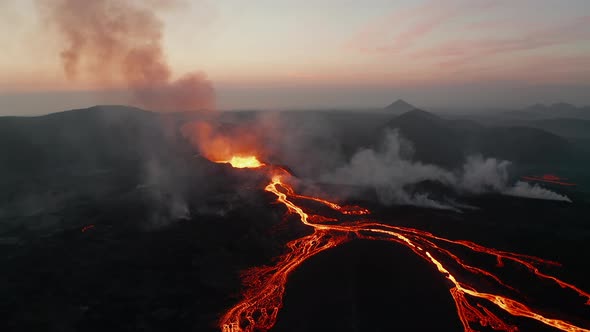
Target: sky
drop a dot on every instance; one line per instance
(292, 54)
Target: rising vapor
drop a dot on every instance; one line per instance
(389, 172)
(525, 189)
(113, 39)
(483, 175)
(491, 175)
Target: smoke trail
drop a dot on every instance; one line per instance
(114, 39)
(524, 189)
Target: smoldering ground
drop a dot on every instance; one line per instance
(59, 167)
(389, 172)
(315, 148)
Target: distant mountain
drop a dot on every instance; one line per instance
(556, 107)
(564, 127)
(537, 108)
(448, 142)
(556, 110)
(399, 106)
(54, 165)
(433, 139)
(95, 138)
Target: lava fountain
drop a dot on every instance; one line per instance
(265, 286)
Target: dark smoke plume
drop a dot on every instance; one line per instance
(122, 39)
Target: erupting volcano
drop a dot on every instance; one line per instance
(476, 306)
(187, 165)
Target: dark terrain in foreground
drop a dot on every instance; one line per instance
(116, 225)
(120, 277)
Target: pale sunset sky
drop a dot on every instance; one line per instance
(282, 54)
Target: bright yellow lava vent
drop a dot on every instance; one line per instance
(243, 162)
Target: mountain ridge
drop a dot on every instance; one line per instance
(448, 142)
(400, 106)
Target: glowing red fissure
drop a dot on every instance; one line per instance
(548, 179)
(265, 286)
(86, 228)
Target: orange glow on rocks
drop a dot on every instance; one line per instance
(225, 144)
(265, 286)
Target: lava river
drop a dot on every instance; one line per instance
(265, 286)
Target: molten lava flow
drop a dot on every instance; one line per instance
(243, 162)
(265, 286)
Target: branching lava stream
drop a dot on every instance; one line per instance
(265, 286)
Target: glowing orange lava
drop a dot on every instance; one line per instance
(265, 286)
(243, 162)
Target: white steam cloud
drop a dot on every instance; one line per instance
(483, 175)
(389, 171)
(491, 175)
(524, 189)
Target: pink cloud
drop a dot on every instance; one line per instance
(400, 30)
(457, 53)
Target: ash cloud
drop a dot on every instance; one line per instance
(114, 39)
(389, 170)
